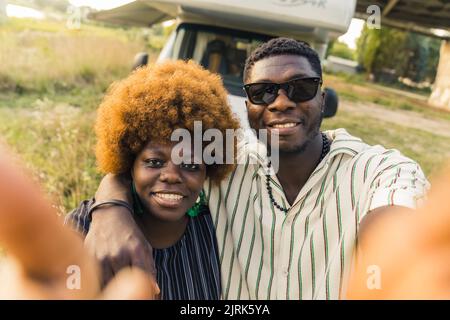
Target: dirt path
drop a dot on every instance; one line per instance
(405, 118)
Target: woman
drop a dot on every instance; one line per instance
(134, 126)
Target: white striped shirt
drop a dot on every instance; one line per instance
(306, 253)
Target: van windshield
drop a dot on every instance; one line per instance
(220, 50)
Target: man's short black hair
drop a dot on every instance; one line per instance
(283, 46)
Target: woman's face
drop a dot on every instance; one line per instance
(167, 191)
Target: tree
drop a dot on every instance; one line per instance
(341, 50)
(423, 57)
(367, 47)
(391, 53)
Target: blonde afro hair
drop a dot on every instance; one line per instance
(151, 103)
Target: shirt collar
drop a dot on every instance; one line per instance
(341, 143)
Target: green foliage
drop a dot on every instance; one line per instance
(341, 50)
(433, 58)
(380, 49)
(402, 54)
(156, 36)
(423, 57)
(367, 47)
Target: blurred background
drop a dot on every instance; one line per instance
(56, 63)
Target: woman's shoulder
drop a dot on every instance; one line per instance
(204, 211)
(203, 223)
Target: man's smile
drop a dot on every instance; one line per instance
(284, 126)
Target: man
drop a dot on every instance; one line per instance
(289, 235)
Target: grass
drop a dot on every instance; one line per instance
(52, 79)
(354, 88)
(56, 141)
(48, 62)
(47, 57)
(429, 150)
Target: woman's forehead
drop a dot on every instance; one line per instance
(165, 148)
(157, 146)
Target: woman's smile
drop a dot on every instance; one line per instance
(168, 199)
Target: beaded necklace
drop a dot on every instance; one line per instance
(325, 150)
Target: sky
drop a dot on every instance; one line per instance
(99, 4)
(349, 38)
(23, 12)
(354, 31)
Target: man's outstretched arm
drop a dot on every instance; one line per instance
(40, 250)
(405, 255)
(114, 237)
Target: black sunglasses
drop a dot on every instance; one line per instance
(298, 90)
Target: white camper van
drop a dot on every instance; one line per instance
(220, 34)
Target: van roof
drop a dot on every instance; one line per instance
(318, 19)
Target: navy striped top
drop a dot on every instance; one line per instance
(188, 270)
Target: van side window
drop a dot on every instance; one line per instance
(215, 57)
(221, 52)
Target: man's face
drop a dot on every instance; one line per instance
(296, 123)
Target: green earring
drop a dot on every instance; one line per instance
(137, 205)
(195, 210)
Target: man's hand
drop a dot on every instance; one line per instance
(114, 237)
(42, 253)
(114, 186)
(406, 255)
(117, 242)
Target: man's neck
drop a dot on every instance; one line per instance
(296, 168)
